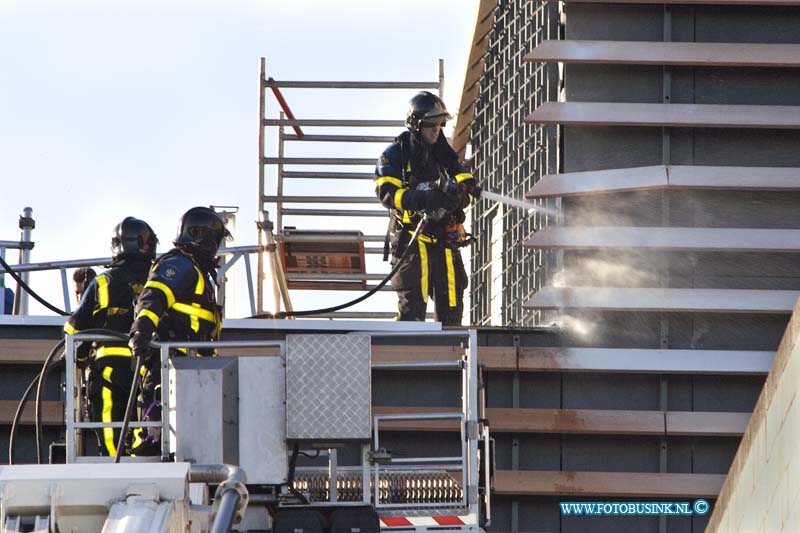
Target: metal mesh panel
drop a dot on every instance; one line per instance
(510, 156)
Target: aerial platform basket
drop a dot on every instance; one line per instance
(323, 259)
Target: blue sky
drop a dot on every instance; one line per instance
(147, 108)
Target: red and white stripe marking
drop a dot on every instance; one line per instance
(399, 522)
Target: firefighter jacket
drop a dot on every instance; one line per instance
(178, 302)
(406, 169)
(108, 303)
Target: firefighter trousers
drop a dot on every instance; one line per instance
(430, 270)
(108, 387)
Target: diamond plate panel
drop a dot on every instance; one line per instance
(328, 387)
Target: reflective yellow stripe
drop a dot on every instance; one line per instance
(398, 199)
(408, 166)
(149, 314)
(388, 179)
(406, 218)
(68, 329)
(104, 351)
(424, 238)
(102, 291)
(423, 263)
(108, 404)
(451, 277)
(163, 288)
(463, 177)
(195, 310)
(201, 284)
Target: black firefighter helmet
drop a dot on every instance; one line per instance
(425, 109)
(201, 231)
(133, 237)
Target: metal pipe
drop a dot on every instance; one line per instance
(26, 224)
(77, 263)
(328, 237)
(322, 199)
(259, 223)
(329, 175)
(343, 276)
(285, 106)
(20, 245)
(352, 84)
(231, 497)
(319, 161)
(422, 365)
(279, 184)
(336, 122)
(334, 212)
(342, 138)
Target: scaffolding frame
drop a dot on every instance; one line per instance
(330, 206)
(509, 157)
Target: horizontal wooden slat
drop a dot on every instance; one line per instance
(693, 2)
(25, 351)
(615, 484)
(580, 421)
(632, 360)
(661, 115)
(668, 239)
(492, 357)
(576, 421)
(667, 300)
(52, 412)
(667, 53)
(693, 423)
(666, 177)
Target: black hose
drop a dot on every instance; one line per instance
(38, 403)
(17, 416)
(361, 298)
(129, 407)
(31, 291)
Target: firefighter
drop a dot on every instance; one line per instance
(420, 174)
(178, 303)
(108, 303)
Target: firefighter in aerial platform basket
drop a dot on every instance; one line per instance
(108, 303)
(178, 303)
(417, 175)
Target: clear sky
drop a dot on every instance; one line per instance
(149, 107)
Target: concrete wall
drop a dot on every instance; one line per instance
(762, 490)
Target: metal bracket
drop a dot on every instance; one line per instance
(244, 496)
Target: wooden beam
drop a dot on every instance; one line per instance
(484, 22)
(692, 2)
(693, 423)
(645, 361)
(663, 115)
(667, 53)
(579, 421)
(669, 177)
(667, 239)
(615, 484)
(25, 351)
(52, 412)
(576, 421)
(491, 357)
(666, 300)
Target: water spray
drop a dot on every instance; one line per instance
(521, 204)
(451, 187)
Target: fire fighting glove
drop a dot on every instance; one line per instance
(139, 344)
(454, 199)
(434, 199)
